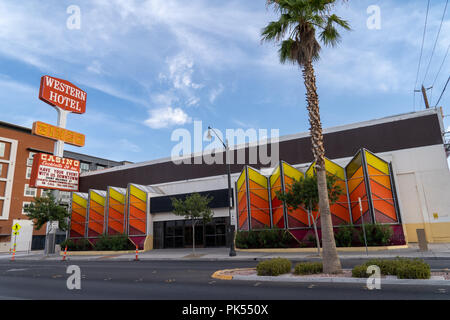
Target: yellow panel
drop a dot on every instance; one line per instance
(117, 196)
(377, 163)
(257, 177)
(79, 200)
(290, 171)
(335, 169)
(310, 171)
(138, 193)
(97, 198)
(241, 180)
(275, 175)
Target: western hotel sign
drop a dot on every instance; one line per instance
(62, 94)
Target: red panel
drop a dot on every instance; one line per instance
(260, 215)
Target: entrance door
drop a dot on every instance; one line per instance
(198, 234)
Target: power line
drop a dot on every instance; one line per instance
(439, 71)
(442, 64)
(442, 94)
(435, 42)
(421, 53)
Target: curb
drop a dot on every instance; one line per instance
(313, 250)
(291, 278)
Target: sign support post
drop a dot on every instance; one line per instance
(59, 152)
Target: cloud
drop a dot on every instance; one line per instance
(167, 117)
(125, 144)
(215, 92)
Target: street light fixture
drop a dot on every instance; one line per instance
(230, 226)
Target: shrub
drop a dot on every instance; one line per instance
(113, 243)
(344, 237)
(274, 267)
(402, 268)
(267, 238)
(377, 234)
(308, 268)
(241, 240)
(76, 245)
(360, 271)
(414, 270)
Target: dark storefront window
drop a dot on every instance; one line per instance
(178, 234)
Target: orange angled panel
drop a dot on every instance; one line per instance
(96, 221)
(242, 202)
(277, 204)
(298, 218)
(138, 203)
(116, 212)
(259, 199)
(78, 215)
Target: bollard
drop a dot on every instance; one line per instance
(65, 254)
(14, 253)
(137, 258)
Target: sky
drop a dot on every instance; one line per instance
(150, 67)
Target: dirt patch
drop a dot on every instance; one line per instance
(343, 274)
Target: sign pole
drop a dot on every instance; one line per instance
(59, 152)
(362, 221)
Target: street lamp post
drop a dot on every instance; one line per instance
(230, 226)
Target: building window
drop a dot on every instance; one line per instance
(25, 204)
(45, 192)
(30, 159)
(84, 167)
(30, 192)
(2, 149)
(100, 167)
(28, 174)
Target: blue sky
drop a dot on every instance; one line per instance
(150, 67)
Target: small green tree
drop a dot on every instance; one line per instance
(195, 208)
(304, 193)
(45, 209)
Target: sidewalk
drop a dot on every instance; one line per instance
(436, 251)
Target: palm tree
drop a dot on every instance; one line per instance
(295, 31)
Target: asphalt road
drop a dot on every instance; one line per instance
(182, 280)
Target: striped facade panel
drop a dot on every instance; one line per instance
(259, 199)
(137, 210)
(242, 201)
(79, 210)
(96, 220)
(116, 219)
(297, 218)
(340, 212)
(277, 204)
(381, 188)
(357, 189)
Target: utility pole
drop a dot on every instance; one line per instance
(425, 97)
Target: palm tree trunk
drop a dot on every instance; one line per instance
(331, 262)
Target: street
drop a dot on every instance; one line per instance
(182, 280)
